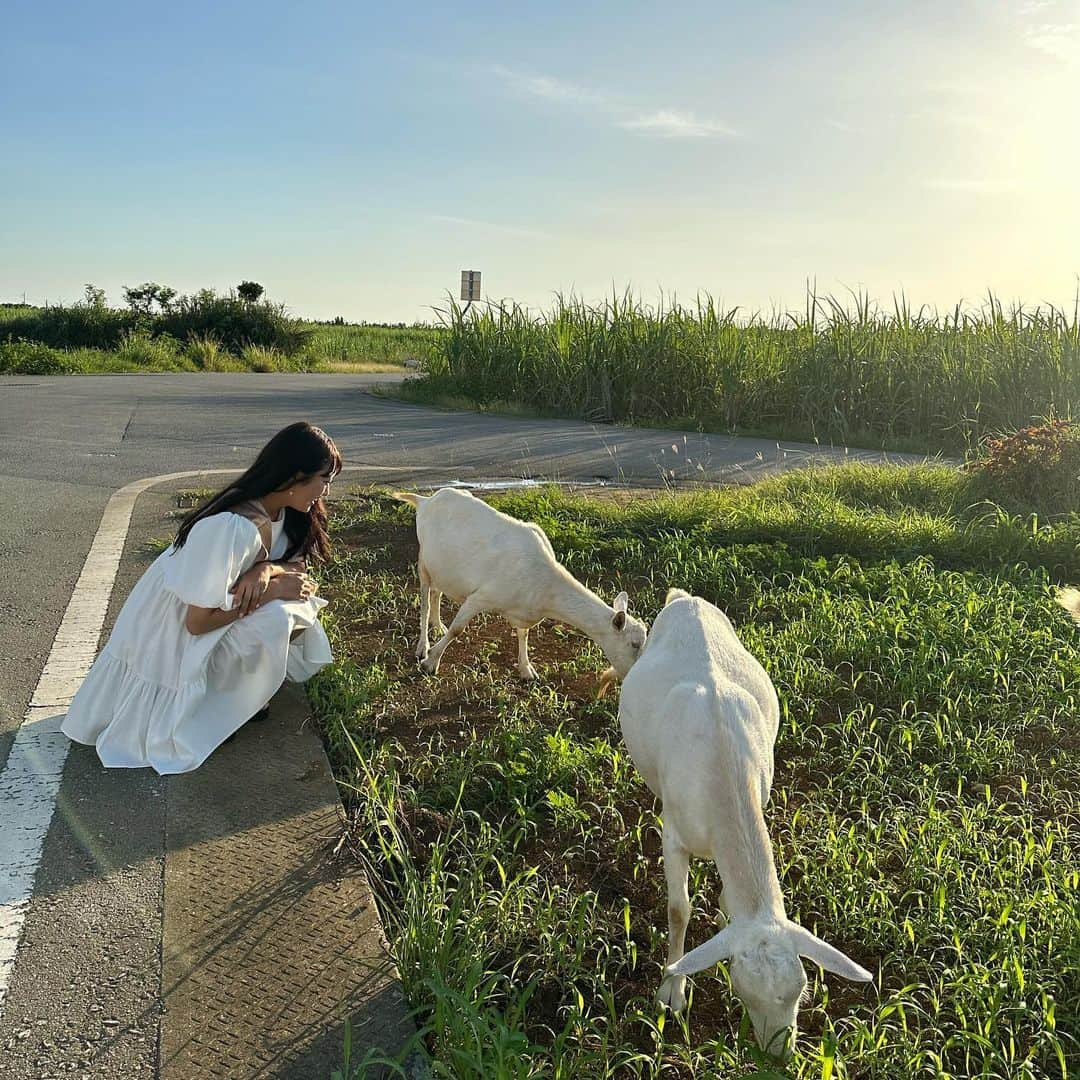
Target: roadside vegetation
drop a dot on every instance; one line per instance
(850, 374)
(925, 814)
(161, 331)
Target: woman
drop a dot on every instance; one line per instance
(219, 620)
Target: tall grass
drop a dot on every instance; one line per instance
(831, 371)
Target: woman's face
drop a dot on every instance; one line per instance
(303, 492)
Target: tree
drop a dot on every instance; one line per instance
(94, 297)
(249, 291)
(142, 298)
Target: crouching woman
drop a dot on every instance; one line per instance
(219, 620)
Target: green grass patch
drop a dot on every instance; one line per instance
(335, 345)
(925, 814)
(139, 352)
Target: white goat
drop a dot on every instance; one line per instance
(1069, 599)
(487, 561)
(699, 716)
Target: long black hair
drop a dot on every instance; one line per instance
(299, 451)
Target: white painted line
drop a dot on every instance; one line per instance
(30, 779)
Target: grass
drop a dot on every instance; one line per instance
(899, 378)
(336, 347)
(140, 353)
(925, 814)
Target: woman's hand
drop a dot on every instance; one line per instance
(294, 586)
(251, 587)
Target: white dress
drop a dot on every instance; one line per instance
(161, 696)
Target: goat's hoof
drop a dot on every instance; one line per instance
(529, 674)
(428, 668)
(421, 651)
(672, 993)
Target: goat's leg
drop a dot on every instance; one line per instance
(465, 614)
(435, 619)
(423, 644)
(676, 871)
(525, 669)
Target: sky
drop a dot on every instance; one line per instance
(355, 157)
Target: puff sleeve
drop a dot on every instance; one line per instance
(217, 551)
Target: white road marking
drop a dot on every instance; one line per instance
(30, 779)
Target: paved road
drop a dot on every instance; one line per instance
(66, 444)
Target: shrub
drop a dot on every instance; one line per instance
(33, 358)
(206, 353)
(154, 353)
(258, 358)
(1035, 468)
(80, 326)
(231, 321)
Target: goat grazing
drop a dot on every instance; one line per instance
(699, 716)
(485, 560)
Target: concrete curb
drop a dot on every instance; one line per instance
(269, 942)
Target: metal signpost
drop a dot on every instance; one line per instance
(470, 287)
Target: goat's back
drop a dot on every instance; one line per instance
(693, 640)
(466, 546)
(697, 698)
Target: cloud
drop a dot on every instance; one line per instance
(663, 122)
(547, 88)
(476, 223)
(1059, 40)
(670, 124)
(1051, 27)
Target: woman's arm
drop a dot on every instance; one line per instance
(201, 620)
(285, 585)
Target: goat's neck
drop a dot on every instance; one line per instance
(745, 858)
(570, 602)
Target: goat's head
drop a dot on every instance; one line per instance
(767, 974)
(622, 641)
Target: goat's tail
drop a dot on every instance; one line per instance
(406, 497)
(1069, 599)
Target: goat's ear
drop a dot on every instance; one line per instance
(675, 594)
(813, 948)
(719, 947)
(622, 601)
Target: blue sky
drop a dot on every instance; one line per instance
(355, 157)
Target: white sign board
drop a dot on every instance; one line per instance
(470, 284)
